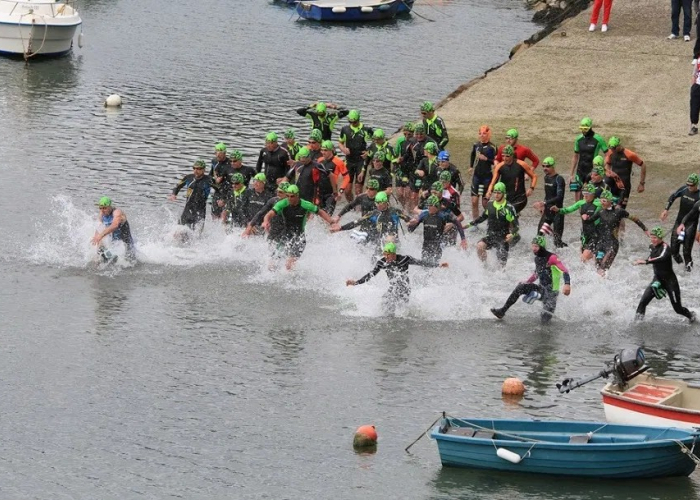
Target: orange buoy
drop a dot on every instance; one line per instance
(513, 386)
(365, 436)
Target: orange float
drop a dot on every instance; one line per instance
(513, 387)
(365, 436)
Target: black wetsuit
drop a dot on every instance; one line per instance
(293, 239)
(246, 172)
(276, 223)
(502, 220)
(256, 202)
(122, 233)
(274, 165)
(373, 149)
(323, 123)
(660, 258)
(608, 230)
(382, 175)
(397, 271)
(355, 139)
(238, 209)
(379, 224)
(554, 190)
(434, 232)
(589, 227)
(365, 203)
(513, 176)
(435, 129)
(220, 170)
(411, 159)
(688, 216)
(306, 177)
(198, 190)
(483, 169)
(431, 171)
(455, 177)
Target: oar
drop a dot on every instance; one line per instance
(426, 431)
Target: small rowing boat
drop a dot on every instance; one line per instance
(566, 448)
(348, 10)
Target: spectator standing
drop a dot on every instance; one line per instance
(676, 6)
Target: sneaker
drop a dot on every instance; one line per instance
(604, 28)
(499, 313)
(591, 27)
(689, 266)
(686, 38)
(671, 37)
(639, 317)
(693, 130)
(693, 318)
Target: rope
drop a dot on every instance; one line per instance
(28, 53)
(688, 451)
(494, 430)
(525, 455)
(413, 10)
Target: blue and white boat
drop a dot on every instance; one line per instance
(406, 6)
(565, 448)
(348, 10)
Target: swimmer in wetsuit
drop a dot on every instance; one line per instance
(114, 220)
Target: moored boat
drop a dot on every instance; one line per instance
(37, 27)
(349, 10)
(405, 6)
(566, 448)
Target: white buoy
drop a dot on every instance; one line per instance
(113, 101)
(366, 10)
(80, 40)
(338, 10)
(508, 455)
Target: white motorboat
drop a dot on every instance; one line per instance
(37, 27)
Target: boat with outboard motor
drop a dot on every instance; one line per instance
(31, 28)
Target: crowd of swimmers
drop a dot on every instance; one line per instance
(414, 182)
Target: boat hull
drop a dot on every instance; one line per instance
(378, 12)
(45, 40)
(405, 6)
(647, 400)
(614, 451)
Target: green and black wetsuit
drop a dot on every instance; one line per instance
(660, 258)
(294, 217)
(688, 216)
(589, 227)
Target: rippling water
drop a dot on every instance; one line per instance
(200, 374)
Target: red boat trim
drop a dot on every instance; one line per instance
(679, 414)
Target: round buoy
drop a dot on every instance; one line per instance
(113, 101)
(365, 437)
(513, 386)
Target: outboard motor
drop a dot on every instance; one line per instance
(624, 367)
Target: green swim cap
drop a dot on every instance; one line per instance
(105, 201)
(271, 137)
(381, 197)
(614, 142)
(220, 147)
(379, 156)
(590, 189)
(237, 178)
(236, 155)
(316, 135)
(445, 176)
(586, 123)
(598, 161)
(548, 162)
(433, 201)
(327, 145)
(260, 177)
(540, 241)
(693, 179)
(282, 187)
(408, 126)
(378, 134)
(200, 163)
(321, 107)
(427, 106)
(437, 186)
(289, 134)
(292, 189)
(419, 128)
(499, 188)
(599, 170)
(389, 248)
(607, 195)
(658, 231)
(373, 184)
(354, 115)
(303, 153)
(512, 133)
(509, 150)
(430, 147)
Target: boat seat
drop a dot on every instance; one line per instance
(579, 439)
(461, 431)
(484, 434)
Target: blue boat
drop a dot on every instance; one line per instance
(563, 448)
(348, 10)
(406, 6)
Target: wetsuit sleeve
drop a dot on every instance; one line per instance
(445, 136)
(258, 166)
(349, 206)
(421, 217)
(572, 208)
(555, 262)
(460, 182)
(576, 141)
(634, 219)
(515, 225)
(291, 175)
(458, 226)
(303, 111)
(634, 157)
(530, 171)
(691, 213)
(180, 185)
(559, 196)
(472, 157)
(480, 219)
(342, 112)
(601, 143)
(308, 206)
(258, 218)
(664, 255)
(675, 196)
(355, 223)
(403, 216)
(530, 155)
(280, 205)
(370, 274)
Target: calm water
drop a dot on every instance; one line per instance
(200, 374)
